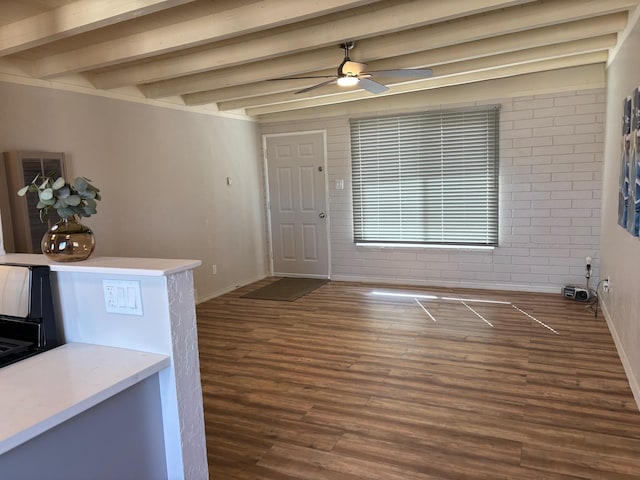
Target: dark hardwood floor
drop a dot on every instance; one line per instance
(342, 384)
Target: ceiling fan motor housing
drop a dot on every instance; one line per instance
(349, 68)
(352, 73)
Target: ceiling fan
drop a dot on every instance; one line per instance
(352, 73)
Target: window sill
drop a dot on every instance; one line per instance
(420, 245)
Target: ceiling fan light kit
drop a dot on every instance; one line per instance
(352, 73)
(347, 81)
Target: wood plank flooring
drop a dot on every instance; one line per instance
(343, 384)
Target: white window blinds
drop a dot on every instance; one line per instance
(426, 178)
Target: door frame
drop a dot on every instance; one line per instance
(265, 165)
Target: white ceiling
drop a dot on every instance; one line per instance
(221, 54)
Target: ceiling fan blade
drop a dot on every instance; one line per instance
(313, 87)
(372, 86)
(403, 73)
(300, 78)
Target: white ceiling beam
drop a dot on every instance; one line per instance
(538, 15)
(502, 22)
(472, 71)
(489, 46)
(467, 29)
(378, 22)
(12, 66)
(567, 79)
(73, 19)
(240, 75)
(445, 69)
(241, 92)
(224, 24)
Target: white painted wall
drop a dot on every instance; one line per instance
(619, 250)
(162, 173)
(163, 176)
(550, 175)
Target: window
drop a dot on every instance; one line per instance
(428, 178)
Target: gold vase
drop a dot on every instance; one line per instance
(68, 241)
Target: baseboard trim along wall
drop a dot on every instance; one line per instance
(448, 284)
(633, 383)
(218, 293)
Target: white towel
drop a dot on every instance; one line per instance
(14, 291)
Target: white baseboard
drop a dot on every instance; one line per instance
(230, 289)
(628, 370)
(449, 284)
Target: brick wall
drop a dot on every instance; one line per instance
(550, 180)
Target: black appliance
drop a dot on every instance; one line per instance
(27, 319)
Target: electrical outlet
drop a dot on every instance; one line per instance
(214, 269)
(606, 285)
(110, 296)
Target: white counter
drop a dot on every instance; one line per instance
(165, 325)
(147, 267)
(43, 391)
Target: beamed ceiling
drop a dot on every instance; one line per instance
(222, 54)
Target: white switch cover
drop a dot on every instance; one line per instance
(122, 296)
(340, 184)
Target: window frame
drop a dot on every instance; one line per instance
(463, 203)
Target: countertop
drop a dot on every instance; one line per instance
(47, 389)
(152, 267)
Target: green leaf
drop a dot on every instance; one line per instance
(88, 210)
(65, 212)
(58, 184)
(64, 192)
(73, 200)
(46, 194)
(80, 184)
(85, 194)
(68, 200)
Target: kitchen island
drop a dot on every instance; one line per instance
(145, 309)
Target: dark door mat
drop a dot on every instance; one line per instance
(286, 289)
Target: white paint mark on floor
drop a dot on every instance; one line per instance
(478, 315)
(464, 301)
(470, 300)
(535, 319)
(425, 310)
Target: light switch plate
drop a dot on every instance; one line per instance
(122, 296)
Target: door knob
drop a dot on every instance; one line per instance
(322, 215)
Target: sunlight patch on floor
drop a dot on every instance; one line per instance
(405, 295)
(464, 301)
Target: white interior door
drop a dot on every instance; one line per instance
(298, 204)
